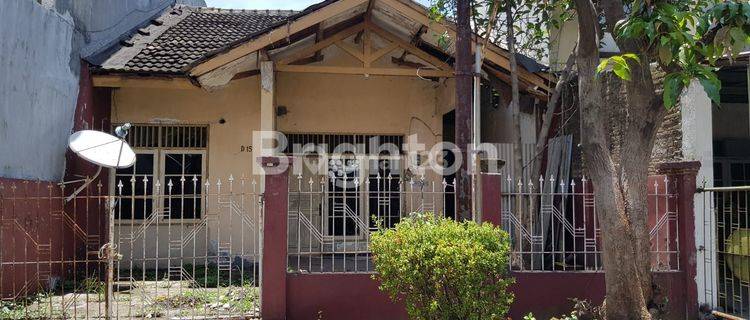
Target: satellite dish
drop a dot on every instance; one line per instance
(102, 149)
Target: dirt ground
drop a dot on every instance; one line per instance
(145, 300)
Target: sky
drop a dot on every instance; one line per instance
(266, 4)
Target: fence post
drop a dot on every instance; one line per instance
(491, 184)
(275, 196)
(684, 175)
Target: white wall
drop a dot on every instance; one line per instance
(38, 89)
(697, 145)
(40, 57)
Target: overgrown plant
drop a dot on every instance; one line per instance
(443, 269)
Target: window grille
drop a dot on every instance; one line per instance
(167, 136)
(362, 143)
(167, 178)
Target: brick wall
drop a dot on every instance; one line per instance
(668, 143)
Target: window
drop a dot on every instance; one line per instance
(361, 180)
(384, 197)
(173, 156)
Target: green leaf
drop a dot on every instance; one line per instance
(602, 66)
(622, 71)
(712, 85)
(673, 86)
(632, 56)
(665, 55)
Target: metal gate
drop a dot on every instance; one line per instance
(176, 248)
(726, 249)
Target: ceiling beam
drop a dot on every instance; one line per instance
(493, 53)
(129, 81)
(409, 47)
(304, 22)
(382, 51)
(322, 44)
(354, 52)
(366, 71)
(416, 39)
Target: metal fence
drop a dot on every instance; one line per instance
(554, 227)
(331, 217)
(184, 248)
(726, 248)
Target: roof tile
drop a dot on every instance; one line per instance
(199, 32)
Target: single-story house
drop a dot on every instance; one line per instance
(198, 82)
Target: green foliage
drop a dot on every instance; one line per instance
(686, 38)
(619, 64)
(206, 276)
(534, 20)
(444, 269)
(33, 307)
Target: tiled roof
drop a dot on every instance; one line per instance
(185, 34)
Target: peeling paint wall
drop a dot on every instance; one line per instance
(38, 90)
(42, 45)
(103, 22)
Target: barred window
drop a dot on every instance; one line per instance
(351, 207)
(172, 156)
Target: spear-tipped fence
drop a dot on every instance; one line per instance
(564, 234)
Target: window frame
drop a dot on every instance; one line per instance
(154, 175)
(159, 164)
(361, 199)
(163, 179)
(363, 194)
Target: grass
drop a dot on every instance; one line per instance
(33, 307)
(206, 276)
(232, 300)
(212, 293)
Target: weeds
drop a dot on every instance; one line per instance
(34, 307)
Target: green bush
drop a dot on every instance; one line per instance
(444, 269)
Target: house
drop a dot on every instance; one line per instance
(203, 227)
(201, 85)
(199, 82)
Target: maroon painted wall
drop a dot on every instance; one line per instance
(92, 113)
(25, 222)
(549, 294)
(33, 214)
(338, 297)
(546, 294)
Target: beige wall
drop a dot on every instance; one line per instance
(356, 104)
(316, 103)
(238, 104)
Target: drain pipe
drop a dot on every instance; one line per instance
(476, 133)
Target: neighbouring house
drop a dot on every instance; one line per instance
(716, 136)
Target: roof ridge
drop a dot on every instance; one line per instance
(270, 12)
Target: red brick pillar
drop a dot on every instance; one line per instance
(683, 174)
(491, 202)
(273, 280)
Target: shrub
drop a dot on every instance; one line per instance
(444, 269)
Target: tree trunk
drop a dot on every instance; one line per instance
(541, 141)
(515, 95)
(464, 82)
(617, 162)
(522, 210)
